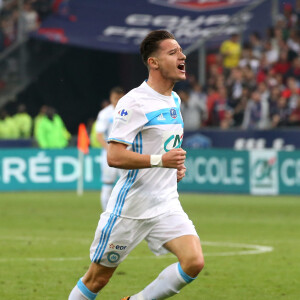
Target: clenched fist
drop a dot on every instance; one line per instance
(174, 158)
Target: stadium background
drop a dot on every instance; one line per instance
(251, 243)
(55, 64)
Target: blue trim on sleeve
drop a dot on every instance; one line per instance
(120, 141)
(186, 277)
(85, 291)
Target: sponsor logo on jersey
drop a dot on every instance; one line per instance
(123, 115)
(173, 113)
(117, 247)
(123, 112)
(172, 141)
(113, 257)
(202, 5)
(161, 117)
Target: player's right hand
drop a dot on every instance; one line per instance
(174, 158)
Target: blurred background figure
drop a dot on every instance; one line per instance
(231, 51)
(51, 132)
(103, 127)
(294, 119)
(8, 129)
(30, 17)
(256, 113)
(23, 122)
(193, 108)
(37, 118)
(280, 113)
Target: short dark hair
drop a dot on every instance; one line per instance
(150, 44)
(118, 90)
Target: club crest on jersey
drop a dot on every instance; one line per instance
(113, 257)
(173, 113)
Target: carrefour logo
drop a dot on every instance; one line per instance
(201, 5)
(123, 113)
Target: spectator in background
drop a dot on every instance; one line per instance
(51, 131)
(30, 18)
(231, 51)
(235, 86)
(271, 53)
(293, 43)
(238, 108)
(294, 118)
(256, 44)
(282, 65)
(249, 78)
(36, 120)
(294, 70)
(248, 59)
(255, 116)
(219, 113)
(280, 113)
(193, 109)
(23, 122)
(8, 130)
(273, 100)
(292, 92)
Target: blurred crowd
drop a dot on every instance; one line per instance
(15, 23)
(254, 84)
(47, 128)
(250, 85)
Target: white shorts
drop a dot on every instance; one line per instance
(116, 237)
(109, 175)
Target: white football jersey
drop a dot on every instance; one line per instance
(149, 123)
(104, 120)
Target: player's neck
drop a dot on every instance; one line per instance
(161, 85)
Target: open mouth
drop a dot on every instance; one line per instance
(181, 67)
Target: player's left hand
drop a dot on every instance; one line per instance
(181, 172)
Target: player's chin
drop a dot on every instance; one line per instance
(180, 77)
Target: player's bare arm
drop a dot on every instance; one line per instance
(119, 157)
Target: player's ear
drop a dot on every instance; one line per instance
(153, 63)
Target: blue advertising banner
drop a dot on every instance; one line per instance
(119, 25)
(216, 171)
(35, 169)
(279, 139)
(259, 172)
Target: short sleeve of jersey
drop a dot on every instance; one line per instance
(101, 124)
(129, 119)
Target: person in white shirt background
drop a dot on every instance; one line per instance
(103, 128)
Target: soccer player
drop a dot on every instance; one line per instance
(145, 142)
(103, 127)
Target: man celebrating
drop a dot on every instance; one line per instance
(145, 142)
